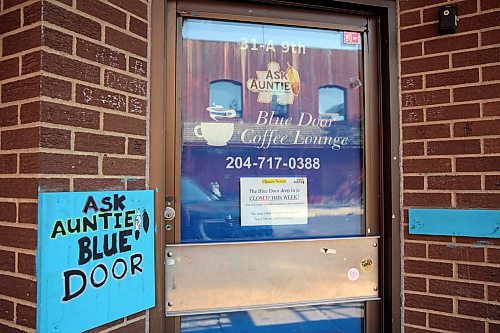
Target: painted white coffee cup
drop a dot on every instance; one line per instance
(216, 134)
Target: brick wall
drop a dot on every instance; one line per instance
(73, 117)
(450, 117)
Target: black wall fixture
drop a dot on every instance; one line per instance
(448, 19)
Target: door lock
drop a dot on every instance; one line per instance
(169, 213)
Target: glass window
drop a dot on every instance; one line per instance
(226, 95)
(279, 110)
(331, 102)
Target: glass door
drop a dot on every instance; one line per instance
(272, 151)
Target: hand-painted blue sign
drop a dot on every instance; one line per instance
(95, 258)
(455, 222)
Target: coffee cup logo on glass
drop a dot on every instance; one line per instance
(216, 133)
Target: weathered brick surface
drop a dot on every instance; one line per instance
(67, 68)
(450, 150)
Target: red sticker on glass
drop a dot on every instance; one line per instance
(352, 38)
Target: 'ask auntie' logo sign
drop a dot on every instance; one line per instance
(95, 258)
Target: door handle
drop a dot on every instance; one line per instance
(169, 213)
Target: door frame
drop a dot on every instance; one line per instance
(164, 126)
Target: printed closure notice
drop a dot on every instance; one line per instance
(273, 201)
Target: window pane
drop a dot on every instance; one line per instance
(226, 95)
(331, 103)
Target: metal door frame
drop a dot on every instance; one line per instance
(381, 128)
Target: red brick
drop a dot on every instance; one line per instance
(412, 82)
(491, 109)
(66, 2)
(490, 37)
(426, 238)
(137, 106)
(18, 237)
(7, 261)
(55, 88)
(11, 3)
(493, 256)
(20, 138)
(452, 78)
(9, 68)
(69, 115)
(478, 309)
(21, 89)
(136, 147)
(137, 66)
(105, 326)
(454, 182)
(463, 8)
(103, 11)
(424, 64)
(9, 329)
(410, 18)
(426, 132)
(426, 98)
(459, 253)
(415, 250)
(454, 147)
(491, 146)
(10, 21)
(55, 138)
(484, 91)
(30, 112)
(100, 54)
(54, 185)
(427, 199)
(8, 116)
(28, 213)
(489, 4)
(454, 288)
(413, 149)
(8, 211)
(494, 293)
(135, 7)
(453, 112)
(481, 164)
(17, 287)
(138, 27)
(136, 315)
(21, 41)
(57, 40)
(136, 184)
(125, 83)
(123, 124)
(71, 21)
(99, 143)
(412, 283)
(125, 42)
(479, 57)
(31, 62)
(85, 184)
(6, 310)
(19, 188)
(9, 163)
(492, 182)
(427, 165)
(491, 73)
(123, 166)
(32, 13)
(494, 327)
(478, 200)
(451, 43)
(479, 273)
(428, 267)
(100, 98)
(70, 68)
(58, 163)
(478, 22)
(477, 128)
(411, 50)
(419, 32)
(429, 302)
(137, 326)
(413, 182)
(455, 324)
(26, 316)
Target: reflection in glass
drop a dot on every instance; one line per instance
(228, 94)
(331, 102)
(279, 110)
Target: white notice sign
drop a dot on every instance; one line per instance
(273, 200)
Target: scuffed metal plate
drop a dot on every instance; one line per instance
(205, 278)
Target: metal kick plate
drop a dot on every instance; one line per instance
(222, 277)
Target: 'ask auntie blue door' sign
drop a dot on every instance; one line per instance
(95, 259)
